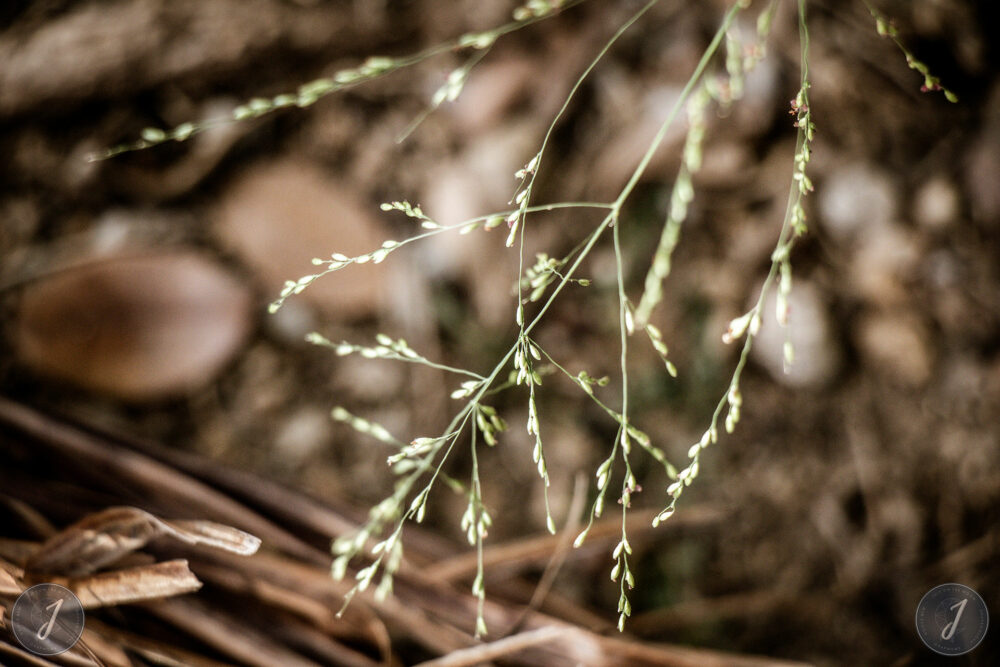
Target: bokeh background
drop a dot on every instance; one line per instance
(134, 290)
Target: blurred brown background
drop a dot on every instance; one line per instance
(134, 290)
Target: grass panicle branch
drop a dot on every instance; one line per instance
(885, 27)
(418, 464)
(372, 68)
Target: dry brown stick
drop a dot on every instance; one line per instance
(156, 651)
(100, 651)
(639, 654)
(11, 577)
(697, 612)
(562, 644)
(476, 655)
(151, 477)
(80, 655)
(277, 501)
(968, 555)
(532, 550)
(518, 591)
(584, 646)
(314, 608)
(10, 653)
(555, 605)
(329, 651)
(405, 613)
(558, 557)
(223, 633)
(34, 519)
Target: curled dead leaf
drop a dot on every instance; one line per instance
(104, 538)
(134, 584)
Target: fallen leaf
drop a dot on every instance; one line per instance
(103, 538)
(148, 582)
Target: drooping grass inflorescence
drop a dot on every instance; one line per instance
(418, 464)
